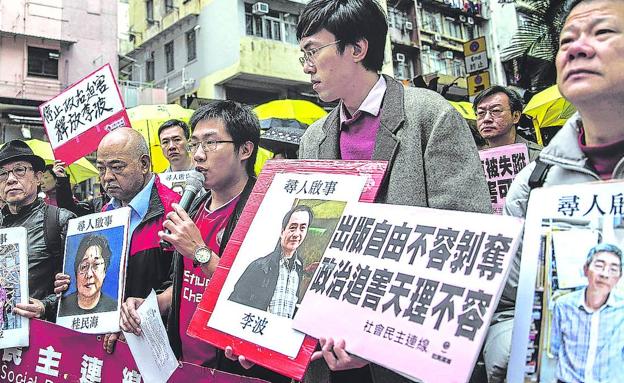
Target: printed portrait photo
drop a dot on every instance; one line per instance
(578, 318)
(277, 281)
(93, 262)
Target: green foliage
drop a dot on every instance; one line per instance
(537, 40)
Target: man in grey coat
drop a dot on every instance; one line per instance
(589, 147)
(432, 158)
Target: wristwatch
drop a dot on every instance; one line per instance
(202, 255)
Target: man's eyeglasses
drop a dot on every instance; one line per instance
(115, 169)
(494, 112)
(612, 270)
(84, 267)
(207, 146)
(18, 171)
(309, 55)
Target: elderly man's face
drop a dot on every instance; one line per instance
(121, 170)
(591, 52)
(604, 272)
(295, 231)
(20, 186)
(91, 273)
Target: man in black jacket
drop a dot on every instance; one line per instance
(271, 283)
(20, 178)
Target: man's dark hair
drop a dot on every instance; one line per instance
(295, 209)
(515, 101)
(240, 122)
(48, 169)
(603, 248)
(93, 240)
(172, 123)
(349, 21)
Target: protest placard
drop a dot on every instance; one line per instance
(412, 289)
(77, 119)
(501, 164)
(176, 181)
(95, 260)
(262, 331)
(57, 354)
(13, 286)
(557, 272)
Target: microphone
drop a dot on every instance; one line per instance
(194, 183)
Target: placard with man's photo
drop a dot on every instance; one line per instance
(276, 247)
(570, 306)
(95, 259)
(14, 328)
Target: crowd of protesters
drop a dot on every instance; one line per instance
(432, 156)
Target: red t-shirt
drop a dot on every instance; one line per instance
(211, 225)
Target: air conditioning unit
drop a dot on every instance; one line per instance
(448, 55)
(437, 38)
(470, 20)
(462, 18)
(400, 57)
(260, 8)
(408, 26)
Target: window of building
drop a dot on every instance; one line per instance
(149, 10)
(169, 56)
(453, 28)
(275, 25)
(458, 68)
(431, 21)
(168, 6)
(403, 66)
(191, 48)
(434, 61)
(43, 62)
(149, 68)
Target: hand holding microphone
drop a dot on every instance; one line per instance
(193, 185)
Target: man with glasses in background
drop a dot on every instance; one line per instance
(20, 178)
(432, 158)
(173, 136)
(224, 145)
(498, 110)
(124, 166)
(587, 338)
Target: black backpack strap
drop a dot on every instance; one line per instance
(52, 228)
(538, 176)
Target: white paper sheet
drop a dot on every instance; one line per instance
(151, 350)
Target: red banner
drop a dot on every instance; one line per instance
(57, 354)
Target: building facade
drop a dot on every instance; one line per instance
(45, 46)
(221, 49)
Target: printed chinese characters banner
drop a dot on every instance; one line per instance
(563, 224)
(57, 354)
(77, 119)
(251, 313)
(412, 289)
(501, 165)
(13, 286)
(95, 260)
(176, 181)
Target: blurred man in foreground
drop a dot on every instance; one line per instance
(589, 147)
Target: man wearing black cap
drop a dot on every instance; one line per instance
(20, 177)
